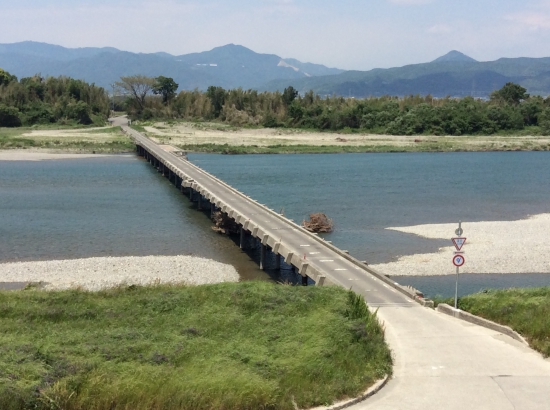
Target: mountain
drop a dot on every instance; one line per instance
(454, 74)
(229, 66)
(53, 52)
(232, 66)
(454, 56)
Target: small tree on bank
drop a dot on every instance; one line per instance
(138, 86)
(166, 87)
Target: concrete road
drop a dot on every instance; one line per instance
(440, 362)
(445, 363)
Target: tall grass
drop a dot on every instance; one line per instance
(250, 345)
(526, 310)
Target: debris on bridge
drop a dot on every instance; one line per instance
(318, 222)
(223, 224)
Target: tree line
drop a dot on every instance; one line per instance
(508, 109)
(62, 100)
(35, 100)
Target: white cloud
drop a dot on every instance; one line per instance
(440, 29)
(531, 20)
(411, 2)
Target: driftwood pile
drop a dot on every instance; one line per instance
(318, 222)
(224, 224)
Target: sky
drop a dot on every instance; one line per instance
(348, 34)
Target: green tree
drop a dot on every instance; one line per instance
(138, 86)
(6, 78)
(9, 116)
(166, 87)
(217, 99)
(510, 94)
(289, 95)
(544, 121)
(79, 111)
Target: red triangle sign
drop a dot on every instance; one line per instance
(458, 242)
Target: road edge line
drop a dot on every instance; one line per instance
(477, 320)
(371, 391)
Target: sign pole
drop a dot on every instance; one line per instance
(458, 260)
(456, 289)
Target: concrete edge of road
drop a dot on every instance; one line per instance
(372, 390)
(408, 291)
(476, 320)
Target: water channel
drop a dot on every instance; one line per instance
(120, 205)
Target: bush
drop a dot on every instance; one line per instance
(9, 116)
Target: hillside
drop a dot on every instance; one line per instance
(232, 66)
(455, 74)
(229, 66)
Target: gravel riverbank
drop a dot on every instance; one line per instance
(491, 247)
(42, 155)
(103, 272)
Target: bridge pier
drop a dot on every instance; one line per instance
(263, 250)
(277, 261)
(241, 239)
(304, 280)
(199, 202)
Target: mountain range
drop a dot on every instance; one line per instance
(454, 74)
(233, 66)
(230, 66)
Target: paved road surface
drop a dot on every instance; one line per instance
(440, 362)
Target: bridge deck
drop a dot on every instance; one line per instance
(311, 255)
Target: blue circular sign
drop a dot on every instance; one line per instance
(458, 260)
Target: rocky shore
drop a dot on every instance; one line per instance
(103, 272)
(491, 247)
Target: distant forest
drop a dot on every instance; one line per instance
(509, 109)
(61, 100)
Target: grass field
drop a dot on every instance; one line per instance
(221, 138)
(252, 345)
(527, 311)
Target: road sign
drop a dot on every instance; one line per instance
(458, 260)
(458, 242)
(459, 230)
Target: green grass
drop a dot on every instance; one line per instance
(252, 345)
(527, 311)
(289, 149)
(438, 146)
(106, 139)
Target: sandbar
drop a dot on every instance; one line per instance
(521, 246)
(103, 272)
(24, 155)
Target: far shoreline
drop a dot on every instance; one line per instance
(37, 155)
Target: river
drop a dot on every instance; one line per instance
(119, 205)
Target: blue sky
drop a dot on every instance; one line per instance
(349, 34)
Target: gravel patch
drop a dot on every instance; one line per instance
(492, 247)
(29, 155)
(104, 272)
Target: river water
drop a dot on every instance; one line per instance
(120, 205)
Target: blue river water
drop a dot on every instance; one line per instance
(120, 205)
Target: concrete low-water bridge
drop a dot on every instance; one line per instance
(310, 255)
(440, 362)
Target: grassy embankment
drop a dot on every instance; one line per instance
(73, 139)
(527, 311)
(246, 345)
(226, 139)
